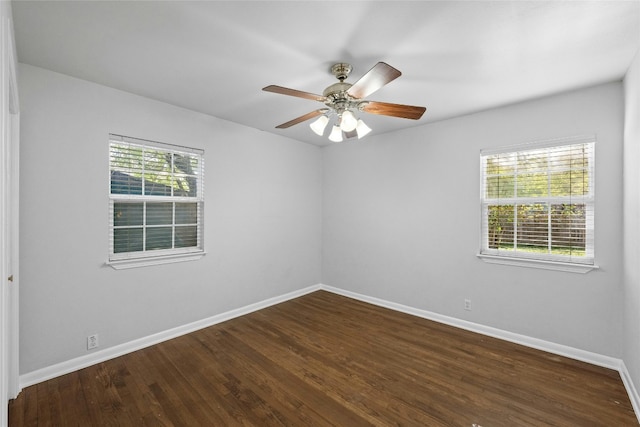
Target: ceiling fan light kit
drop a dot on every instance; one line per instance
(319, 125)
(336, 134)
(348, 121)
(342, 99)
(362, 129)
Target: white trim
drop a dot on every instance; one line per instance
(81, 362)
(146, 256)
(559, 349)
(538, 263)
(559, 262)
(181, 149)
(545, 143)
(9, 149)
(631, 389)
(14, 291)
(125, 263)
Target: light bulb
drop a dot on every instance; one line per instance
(348, 122)
(319, 125)
(336, 134)
(362, 129)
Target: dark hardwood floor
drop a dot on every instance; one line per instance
(321, 360)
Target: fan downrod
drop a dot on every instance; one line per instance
(341, 70)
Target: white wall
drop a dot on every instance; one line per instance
(262, 219)
(631, 351)
(401, 222)
(395, 217)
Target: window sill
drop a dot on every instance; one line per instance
(536, 263)
(122, 264)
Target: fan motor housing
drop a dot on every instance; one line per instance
(337, 91)
(339, 100)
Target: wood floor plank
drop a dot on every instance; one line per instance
(385, 373)
(331, 410)
(73, 404)
(389, 369)
(24, 410)
(151, 410)
(356, 392)
(190, 367)
(101, 384)
(170, 390)
(286, 394)
(322, 360)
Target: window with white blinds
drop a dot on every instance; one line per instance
(156, 200)
(538, 201)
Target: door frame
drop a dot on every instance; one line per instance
(9, 214)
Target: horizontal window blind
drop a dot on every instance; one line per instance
(156, 199)
(538, 201)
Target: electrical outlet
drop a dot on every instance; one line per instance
(467, 304)
(92, 341)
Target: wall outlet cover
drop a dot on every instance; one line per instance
(92, 341)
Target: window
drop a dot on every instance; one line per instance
(538, 202)
(156, 202)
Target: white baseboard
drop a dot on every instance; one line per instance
(559, 349)
(72, 365)
(585, 356)
(631, 389)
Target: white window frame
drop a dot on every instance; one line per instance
(578, 264)
(148, 257)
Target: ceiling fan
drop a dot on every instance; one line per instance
(342, 99)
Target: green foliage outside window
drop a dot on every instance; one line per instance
(535, 200)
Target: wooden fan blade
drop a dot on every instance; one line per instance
(394, 110)
(294, 92)
(301, 119)
(381, 74)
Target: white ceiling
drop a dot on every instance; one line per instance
(215, 57)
